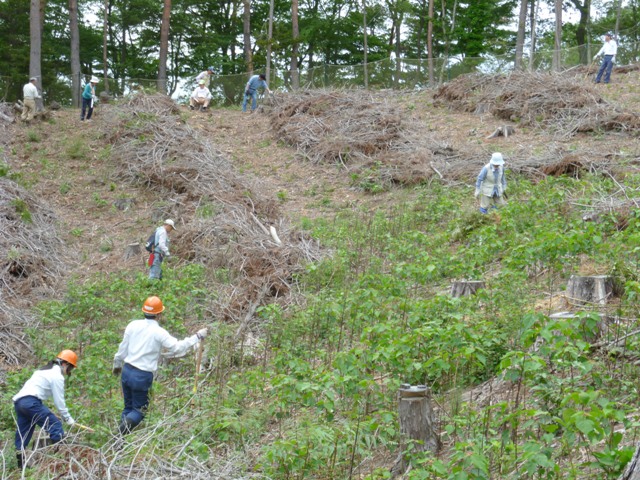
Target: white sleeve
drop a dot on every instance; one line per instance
(177, 348)
(162, 241)
(118, 359)
(57, 391)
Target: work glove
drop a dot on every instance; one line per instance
(477, 193)
(117, 371)
(70, 421)
(202, 333)
(613, 59)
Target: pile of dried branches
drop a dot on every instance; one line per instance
(29, 246)
(231, 221)
(553, 101)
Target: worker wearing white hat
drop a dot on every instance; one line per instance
(30, 92)
(161, 248)
(491, 183)
(88, 99)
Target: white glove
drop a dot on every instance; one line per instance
(477, 193)
(70, 421)
(202, 333)
(613, 59)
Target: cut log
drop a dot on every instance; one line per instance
(595, 289)
(632, 472)
(466, 287)
(503, 131)
(133, 250)
(417, 425)
(7, 118)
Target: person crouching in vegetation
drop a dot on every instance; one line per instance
(491, 183)
(88, 99)
(137, 360)
(48, 382)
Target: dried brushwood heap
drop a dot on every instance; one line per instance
(229, 219)
(555, 102)
(360, 130)
(30, 265)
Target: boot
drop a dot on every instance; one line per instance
(20, 458)
(125, 427)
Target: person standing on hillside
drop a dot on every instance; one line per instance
(161, 248)
(251, 91)
(609, 49)
(491, 183)
(88, 99)
(200, 97)
(206, 76)
(30, 93)
(137, 360)
(48, 382)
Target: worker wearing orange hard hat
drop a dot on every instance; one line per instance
(45, 383)
(137, 360)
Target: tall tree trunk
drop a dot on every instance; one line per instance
(557, 61)
(432, 77)
(35, 47)
(447, 35)
(270, 35)
(105, 29)
(295, 80)
(397, 49)
(74, 33)
(617, 27)
(533, 22)
(365, 45)
(246, 23)
(164, 47)
(584, 8)
(522, 22)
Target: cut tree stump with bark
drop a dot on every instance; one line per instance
(466, 287)
(132, 250)
(591, 334)
(632, 472)
(417, 425)
(595, 289)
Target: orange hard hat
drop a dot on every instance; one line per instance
(153, 306)
(69, 356)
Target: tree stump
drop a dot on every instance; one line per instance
(589, 334)
(466, 287)
(132, 250)
(596, 289)
(632, 472)
(503, 131)
(417, 425)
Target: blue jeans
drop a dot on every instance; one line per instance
(86, 105)
(30, 411)
(136, 385)
(254, 100)
(156, 266)
(605, 66)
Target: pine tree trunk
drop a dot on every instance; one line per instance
(35, 47)
(164, 47)
(246, 26)
(75, 53)
(105, 29)
(522, 21)
(557, 62)
(295, 80)
(268, 70)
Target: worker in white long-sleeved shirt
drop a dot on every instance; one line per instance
(30, 93)
(137, 360)
(48, 382)
(200, 97)
(161, 248)
(609, 51)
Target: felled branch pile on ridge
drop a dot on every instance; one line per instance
(552, 101)
(224, 220)
(29, 246)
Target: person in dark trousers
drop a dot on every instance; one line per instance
(251, 91)
(137, 360)
(88, 99)
(608, 50)
(48, 382)
(161, 248)
(491, 184)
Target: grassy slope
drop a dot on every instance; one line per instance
(319, 393)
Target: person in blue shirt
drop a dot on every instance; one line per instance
(251, 90)
(491, 183)
(88, 98)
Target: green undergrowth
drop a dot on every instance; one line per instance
(313, 395)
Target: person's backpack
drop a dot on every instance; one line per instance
(151, 242)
